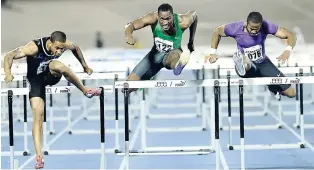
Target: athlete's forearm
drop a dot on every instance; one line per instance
(215, 39)
(79, 56)
(128, 30)
(291, 40)
(193, 29)
(8, 60)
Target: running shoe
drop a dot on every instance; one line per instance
(239, 63)
(39, 162)
(184, 59)
(93, 92)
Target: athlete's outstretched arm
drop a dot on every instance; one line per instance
(189, 20)
(218, 33)
(139, 23)
(29, 49)
(77, 53)
(284, 33)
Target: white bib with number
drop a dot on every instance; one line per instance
(254, 53)
(163, 45)
(42, 67)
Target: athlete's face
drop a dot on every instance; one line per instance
(253, 28)
(165, 19)
(57, 48)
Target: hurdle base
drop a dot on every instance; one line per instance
(16, 153)
(91, 132)
(253, 127)
(176, 129)
(270, 146)
(79, 151)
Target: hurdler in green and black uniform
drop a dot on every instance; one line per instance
(167, 28)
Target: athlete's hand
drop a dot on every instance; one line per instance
(191, 47)
(284, 57)
(88, 70)
(130, 40)
(211, 58)
(8, 78)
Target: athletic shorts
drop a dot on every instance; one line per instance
(38, 83)
(266, 69)
(151, 64)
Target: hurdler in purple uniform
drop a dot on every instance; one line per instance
(251, 59)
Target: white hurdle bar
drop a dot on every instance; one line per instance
(55, 90)
(216, 83)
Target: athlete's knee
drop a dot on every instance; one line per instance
(290, 92)
(37, 105)
(173, 57)
(57, 67)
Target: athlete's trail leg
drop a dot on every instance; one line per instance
(133, 77)
(37, 105)
(58, 69)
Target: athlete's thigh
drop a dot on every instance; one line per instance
(37, 87)
(268, 69)
(149, 66)
(170, 56)
(51, 78)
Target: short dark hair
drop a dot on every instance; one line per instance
(58, 36)
(165, 7)
(255, 17)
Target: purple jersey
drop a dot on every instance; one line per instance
(252, 47)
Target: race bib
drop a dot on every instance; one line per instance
(254, 53)
(42, 67)
(163, 45)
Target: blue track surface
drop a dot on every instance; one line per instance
(255, 159)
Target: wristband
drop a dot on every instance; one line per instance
(289, 48)
(212, 51)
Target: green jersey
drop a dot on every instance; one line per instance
(165, 43)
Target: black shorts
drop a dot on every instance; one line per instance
(151, 64)
(267, 69)
(38, 83)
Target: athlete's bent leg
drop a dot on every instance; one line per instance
(58, 69)
(177, 60)
(268, 69)
(147, 68)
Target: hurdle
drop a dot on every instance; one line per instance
(210, 82)
(266, 103)
(199, 99)
(54, 90)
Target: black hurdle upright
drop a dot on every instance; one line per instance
(126, 122)
(102, 128)
(241, 109)
(229, 111)
(203, 98)
(25, 153)
(297, 99)
(301, 111)
(216, 94)
(69, 110)
(116, 103)
(11, 141)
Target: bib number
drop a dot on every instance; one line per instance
(254, 53)
(42, 67)
(163, 46)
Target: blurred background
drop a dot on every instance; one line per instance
(100, 23)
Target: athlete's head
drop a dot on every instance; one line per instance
(58, 40)
(254, 23)
(165, 16)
